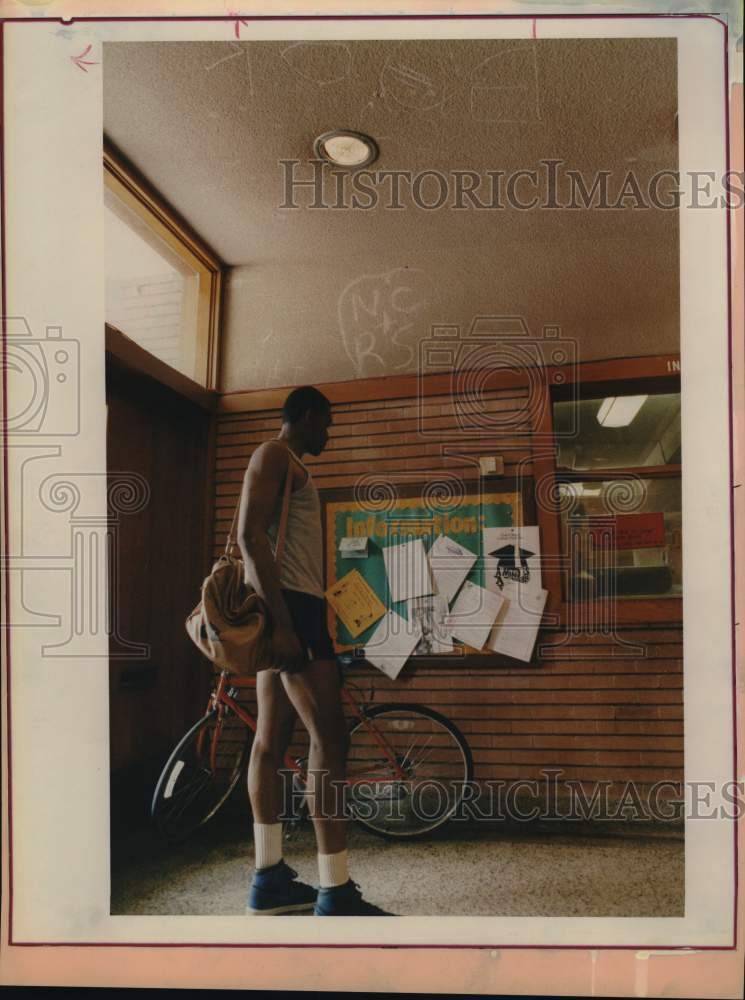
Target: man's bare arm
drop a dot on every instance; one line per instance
(263, 484)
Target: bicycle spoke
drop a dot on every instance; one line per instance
(422, 759)
(422, 756)
(408, 752)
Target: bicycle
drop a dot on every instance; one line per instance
(407, 765)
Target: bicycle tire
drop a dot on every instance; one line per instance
(455, 763)
(189, 780)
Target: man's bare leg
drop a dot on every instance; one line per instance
(273, 889)
(315, 695)
(276, 721)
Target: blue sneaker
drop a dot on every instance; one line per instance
(345, 901)
(274, 890)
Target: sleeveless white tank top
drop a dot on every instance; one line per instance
(302, 560)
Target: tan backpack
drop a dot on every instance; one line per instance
(231, 624)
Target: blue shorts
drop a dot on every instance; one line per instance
(308, 614)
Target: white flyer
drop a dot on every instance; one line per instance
(472, 616)
(512, 555)
(429, 613)
(518, 621)
(392, 643)
(408, 570)
(450, 563)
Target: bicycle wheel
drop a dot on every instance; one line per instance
(431, 751)
(199, 775)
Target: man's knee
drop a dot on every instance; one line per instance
(269, 750)
(331, 738)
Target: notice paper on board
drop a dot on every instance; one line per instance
(450, 563)
(512, 555)
(472, 616)
(355, 602)
(429, 613)
(518, 621)
(408, 570)
(392, 643)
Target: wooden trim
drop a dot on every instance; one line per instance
(131, 189)
(118, 166)
(638, 471)
(635, 383)
(214, 354)
(436, 384)
(130, 356)
(544, 485)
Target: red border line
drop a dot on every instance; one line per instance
(320, 946)
(363, 17)
(731, 456)
(5, 637)
(6, 528)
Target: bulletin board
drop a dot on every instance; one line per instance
(402, 520)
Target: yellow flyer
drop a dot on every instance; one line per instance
(355, 602)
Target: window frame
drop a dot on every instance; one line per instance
(133, 191)
(619, 376)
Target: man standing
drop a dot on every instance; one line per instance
(304, 681)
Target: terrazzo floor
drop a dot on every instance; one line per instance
(537, 869)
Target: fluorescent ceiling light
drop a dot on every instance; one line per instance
(346, 149)
(619, 411)
(578, 490)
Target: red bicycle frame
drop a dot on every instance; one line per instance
(221, 699)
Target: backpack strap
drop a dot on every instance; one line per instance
(232, 539)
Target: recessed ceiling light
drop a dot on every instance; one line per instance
(346, 149)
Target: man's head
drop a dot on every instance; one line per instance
(307, 412)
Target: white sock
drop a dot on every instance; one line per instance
(333, 869)
(267, 844)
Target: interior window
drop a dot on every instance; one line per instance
(151, 294)
(620, 528)
(634, 554)
(624, 431)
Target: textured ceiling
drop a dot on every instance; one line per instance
(209, 122)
